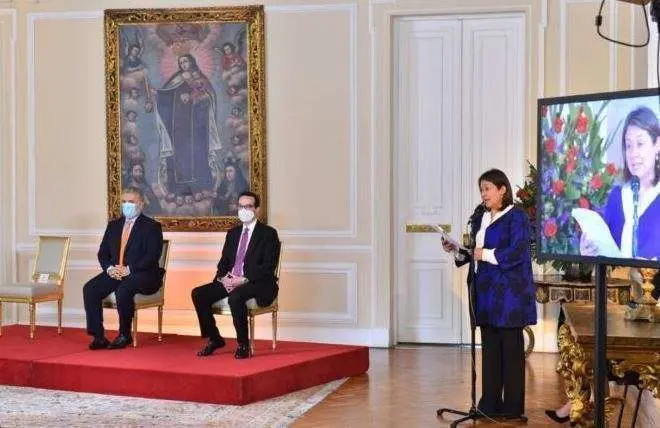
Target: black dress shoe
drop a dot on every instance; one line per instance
(559, 419)
(120, 342)
(243, 351)
(99, 343)
(211, 346)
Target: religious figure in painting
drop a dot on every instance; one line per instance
(186, 107)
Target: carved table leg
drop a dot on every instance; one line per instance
(530, 341)
(572, 366)
(575, 368)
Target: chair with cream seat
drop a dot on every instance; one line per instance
(47, 280)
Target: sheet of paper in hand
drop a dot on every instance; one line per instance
(597, 231)
(447, 237)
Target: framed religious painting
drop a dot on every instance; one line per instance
(185, 111)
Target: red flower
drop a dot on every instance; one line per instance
(596, 182)
(550, 145)
(610, 168)
(582, 122)
(584, 202)
(557, 187)
(522, 194)
(572, 153)
(559, 123)
(550, 228)
(570, 166)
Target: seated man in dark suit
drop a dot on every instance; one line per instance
(128, 255)
(246, 270)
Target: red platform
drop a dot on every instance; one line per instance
(171, 369)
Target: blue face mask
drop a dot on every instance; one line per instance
(129, 209)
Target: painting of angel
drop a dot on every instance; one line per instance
(185, 109)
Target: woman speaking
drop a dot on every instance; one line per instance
(501, 271)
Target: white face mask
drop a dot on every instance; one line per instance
(245, 215)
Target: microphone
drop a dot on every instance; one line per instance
(471, 233)
(634, 186)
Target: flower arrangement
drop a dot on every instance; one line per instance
(573, 174)
(526, 199)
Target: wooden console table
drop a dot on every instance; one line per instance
(631, 346)
(552, 288)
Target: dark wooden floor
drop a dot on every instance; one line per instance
(406, 385)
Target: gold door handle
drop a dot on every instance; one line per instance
(427, 228)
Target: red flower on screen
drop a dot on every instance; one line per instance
(572, 152)
(570, 166)
(596, 182)
(584, 202)
(558, 124)
(611, 168)
(550, 228)
(557, 187)
(582, 122)
(550, 145)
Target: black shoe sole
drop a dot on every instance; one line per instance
(209, 350)
(559, 419)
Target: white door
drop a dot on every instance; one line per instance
(459, 110)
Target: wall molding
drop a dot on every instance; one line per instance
(351, 10)
(652, 60)
(540, 59)
(8, 18)
(32, 18)
(348, 270)
(613, 13)
(185, 322)
(214, 249)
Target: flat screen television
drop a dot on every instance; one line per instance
(597, 178)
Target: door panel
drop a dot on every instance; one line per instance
(459, 110)
(428, 167)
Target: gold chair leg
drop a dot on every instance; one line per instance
(274, 329)
(1, 318)
(135, 313)
(251, 334)
(59, 316)
(32, 319)
(160, 323)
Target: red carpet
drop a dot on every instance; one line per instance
(171, 369)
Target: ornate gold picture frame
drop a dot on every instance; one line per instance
(185, 112)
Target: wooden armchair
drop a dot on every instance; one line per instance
(221, 307)
(142, 301)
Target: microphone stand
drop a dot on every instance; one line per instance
(472, 414)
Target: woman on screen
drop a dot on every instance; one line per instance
(501, 271)
(632, 211)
